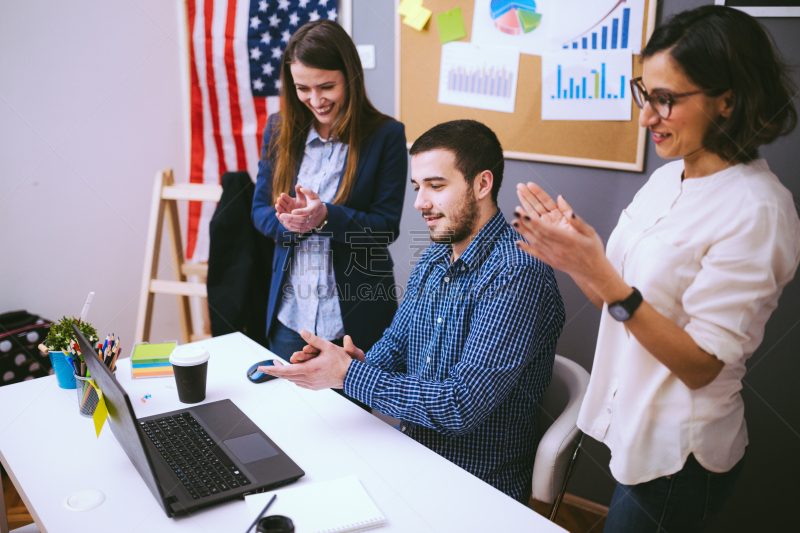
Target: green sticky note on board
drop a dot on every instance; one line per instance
(451, 25)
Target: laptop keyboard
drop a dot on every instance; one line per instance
(203, 468)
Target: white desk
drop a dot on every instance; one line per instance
(328, 436)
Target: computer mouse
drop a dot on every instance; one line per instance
(259, 377)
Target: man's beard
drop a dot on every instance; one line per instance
(462, 222)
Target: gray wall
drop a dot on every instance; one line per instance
(769, 488)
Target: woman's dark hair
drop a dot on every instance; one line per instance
(720, 48)
(474, 146)
(323, 45)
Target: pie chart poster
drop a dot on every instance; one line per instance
(560, 22)
(536, 41)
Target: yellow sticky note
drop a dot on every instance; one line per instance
(408, 7)
(418, 18)
(100, 413)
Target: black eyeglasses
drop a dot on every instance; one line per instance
(660, 101)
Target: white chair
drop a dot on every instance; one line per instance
(560, 440)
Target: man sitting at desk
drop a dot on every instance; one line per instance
(471, 348)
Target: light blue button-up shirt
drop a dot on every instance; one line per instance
(310, 300)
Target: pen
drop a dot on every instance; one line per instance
(264, 510)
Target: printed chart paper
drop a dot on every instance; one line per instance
(586, 85)
(483, 77)
(522, 24)
(598, 25)
(538, 26)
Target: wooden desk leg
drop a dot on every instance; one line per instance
(3, 516)
(25, 501)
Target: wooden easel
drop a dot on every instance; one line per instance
(165, 201)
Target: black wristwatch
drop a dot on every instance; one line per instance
(623, 310)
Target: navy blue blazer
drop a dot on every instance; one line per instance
(360, 230)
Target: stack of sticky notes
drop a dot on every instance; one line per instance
(414, 14)
(152, 360)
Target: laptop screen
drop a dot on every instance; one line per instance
(122, 418)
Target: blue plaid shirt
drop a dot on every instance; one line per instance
(468, 355)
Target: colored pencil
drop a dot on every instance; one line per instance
(114, 354)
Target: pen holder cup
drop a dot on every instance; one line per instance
(87, 396)
(63, 370)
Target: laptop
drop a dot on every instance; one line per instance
(194, 457)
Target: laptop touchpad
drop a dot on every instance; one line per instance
(250, 448)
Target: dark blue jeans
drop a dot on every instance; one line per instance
(284, 342)
(686, 502)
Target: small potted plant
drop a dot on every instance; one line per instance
(59, 339)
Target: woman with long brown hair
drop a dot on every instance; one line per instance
(330, 189)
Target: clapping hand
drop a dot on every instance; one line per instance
(309, 352)
(555, 234)
(302, 213)
(325, 369)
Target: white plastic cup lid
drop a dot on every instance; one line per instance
(189, 355)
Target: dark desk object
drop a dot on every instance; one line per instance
(275, 524)
(239, 263)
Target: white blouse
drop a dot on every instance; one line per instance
(711, 254)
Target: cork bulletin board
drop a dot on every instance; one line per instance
(524, 135)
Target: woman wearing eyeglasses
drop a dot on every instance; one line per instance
(691, 273)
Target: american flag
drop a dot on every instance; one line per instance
(235, 49)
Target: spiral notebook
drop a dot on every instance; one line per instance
(335, 506)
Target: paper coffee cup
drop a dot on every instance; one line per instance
(190, 366)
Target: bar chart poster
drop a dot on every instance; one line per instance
(586, 85)
(483, 77)
(599, 25)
